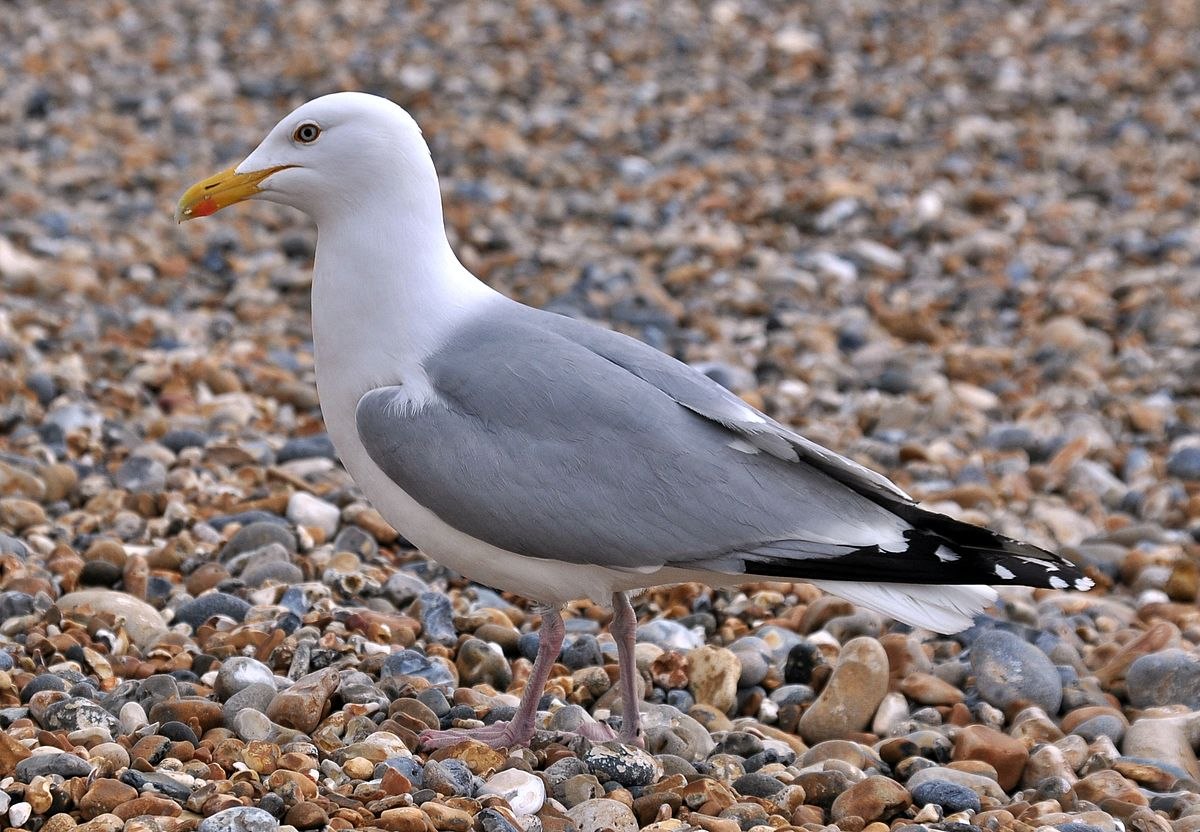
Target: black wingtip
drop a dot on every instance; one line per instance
(939, 550)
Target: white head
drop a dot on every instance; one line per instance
(337, 156)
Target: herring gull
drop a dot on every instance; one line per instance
(555, 459)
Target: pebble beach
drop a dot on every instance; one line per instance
(957, 242)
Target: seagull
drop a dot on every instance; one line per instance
(558, 460)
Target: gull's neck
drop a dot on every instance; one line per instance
(387, 291)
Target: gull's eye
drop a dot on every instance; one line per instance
(306, 133)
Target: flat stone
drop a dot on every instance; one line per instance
(239, 819)
(256, 535)
(952, 797)
(876, 798)
(55, 762)
(143, 622)
(198, 610)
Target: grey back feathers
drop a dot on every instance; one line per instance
(553, 438)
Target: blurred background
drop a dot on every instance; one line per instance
(955, 240)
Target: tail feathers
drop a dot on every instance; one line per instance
(943, 609)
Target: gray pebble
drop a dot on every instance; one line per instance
(198, 610)
(256, 696)
(757, 785)
(1009, 670)
(1168, 677)
(142, 475)
(255, 536)
(55, 762)
(584, 651)
(622, 764)
(449, 777)
(1185, 463)
(239, 819)
(950, 796)
(437, 619)
(240, 672)
(251, 725)
(258, 574)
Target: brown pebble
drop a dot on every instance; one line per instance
(405, 819)
(306, 815)
(148, 804)
(104, 796)
(876, 798)
(1005, 754)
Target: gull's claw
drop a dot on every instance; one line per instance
(496, 735)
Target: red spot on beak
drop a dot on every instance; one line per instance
(205, 207)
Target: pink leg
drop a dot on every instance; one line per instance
(623, 629)
(520, 730)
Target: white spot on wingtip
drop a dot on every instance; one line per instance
(945, 555)
(1058, 583)
(1006, 574)
(1045, 564)
(1084, 584)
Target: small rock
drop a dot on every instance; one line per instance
(1184, 463)
(1004, 753)
(876, 798)
(238, 673)
(603, 814)
(1168, 677)
(305, 510)
(757, 785)
(854, 690)
(1012, 672)
(950, 796)
(437, 619)
(524, 791)
(251, 725)
(481, 662)
(257, 535)
(198, 610)
(239, 819)
(622, 764)
(306, 815)
(583, 651)
(713, 674)
(142, 475)
(55, 762)
(143, 622)
(303, 704)
(105, 795)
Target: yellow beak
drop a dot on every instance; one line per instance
(221, 190)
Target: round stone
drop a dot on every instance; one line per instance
(1010, 671)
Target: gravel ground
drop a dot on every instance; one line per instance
(957, 241)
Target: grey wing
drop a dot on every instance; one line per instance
(544, 446)
(699, 393)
